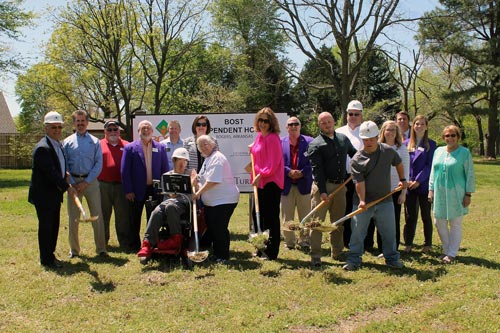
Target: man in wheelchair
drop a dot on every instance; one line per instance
(168, 215)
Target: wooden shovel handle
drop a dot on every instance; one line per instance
(255, 190)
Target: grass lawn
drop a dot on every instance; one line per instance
(117, 294)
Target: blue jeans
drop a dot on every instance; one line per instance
(384, 217)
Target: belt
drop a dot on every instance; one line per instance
(115, 182)
(334, 181)
(74, 175)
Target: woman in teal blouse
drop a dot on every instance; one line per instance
(451, 185)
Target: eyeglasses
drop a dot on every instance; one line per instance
(262, 120)
(109, 129)
(292, 124)
(352, 114)
(450, 135)
(201, 124)
(55, 127)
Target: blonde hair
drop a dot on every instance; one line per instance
(412, 143)
(399, 137)
(451, 128)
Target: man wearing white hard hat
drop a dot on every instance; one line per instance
(167, 213)
(354, 112)
(371, 171)
(47, 186)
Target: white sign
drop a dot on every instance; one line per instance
(233, 131)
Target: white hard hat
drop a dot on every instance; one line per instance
(354, 105)
(181, 153)
(53, 117)
(368, 130)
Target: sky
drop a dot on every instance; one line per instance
(30, 47)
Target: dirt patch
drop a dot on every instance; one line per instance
(357, 321)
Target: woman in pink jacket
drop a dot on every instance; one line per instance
(269, 177)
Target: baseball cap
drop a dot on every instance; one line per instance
(368, 130)
(53, 117)
(181, 153)
(354, 105)
(111, 122)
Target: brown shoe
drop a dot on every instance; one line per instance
(408, 248)
(447, 260)
(426, 249)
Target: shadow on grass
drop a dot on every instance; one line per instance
(118, 262)
(468, 260)
(165, 263)
(239, 237)
(13, 183)
(98, 285)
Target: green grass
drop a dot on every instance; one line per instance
(119, 294)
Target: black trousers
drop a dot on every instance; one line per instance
(135, 209)
(269, 204)
(217, 219)
(48, 229)
(348, 209)
(413, 202)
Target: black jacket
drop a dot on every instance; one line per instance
(47, 184)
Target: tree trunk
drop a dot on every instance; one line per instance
(480, 134)
(492, 122)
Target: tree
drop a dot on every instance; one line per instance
(469, 29)
(249, 29)
(165, 36)
(312, 23)
(309, 92)
(90, 45)
(12, 18)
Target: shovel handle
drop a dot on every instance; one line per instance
(78, 204)
(324, 202)
(255, 197)
(255, 191)
(195, 213)
(369, 205)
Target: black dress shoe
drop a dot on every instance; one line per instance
(53, 265)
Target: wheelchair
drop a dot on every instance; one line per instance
(178, 185)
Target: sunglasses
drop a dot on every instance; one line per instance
(55, 127)
(450, 135)
(292, 124)
(201, 124)
(262, 120)
(112, 129)
(354, 114)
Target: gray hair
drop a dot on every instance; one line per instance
(206, 138)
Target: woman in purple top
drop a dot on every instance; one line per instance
(269, 177)
(421, 150)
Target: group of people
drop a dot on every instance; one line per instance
(115, 175)
(358, 167)
(354, 167)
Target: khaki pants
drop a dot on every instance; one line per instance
(93, 197)
(288, 204)
(336, 209)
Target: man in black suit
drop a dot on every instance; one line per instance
(48, 183)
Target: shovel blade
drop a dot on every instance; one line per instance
(197, 256)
